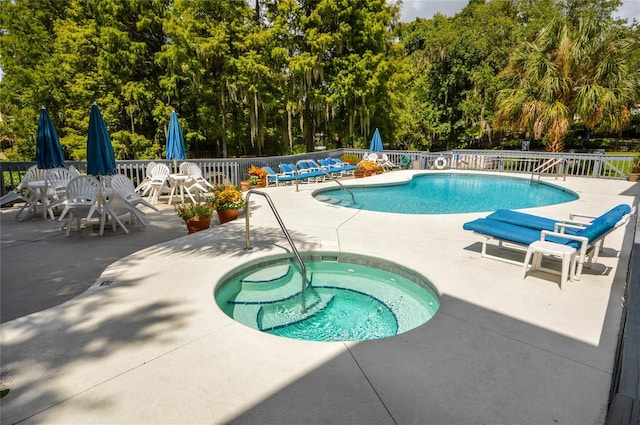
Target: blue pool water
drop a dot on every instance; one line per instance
(448, 193)
(350, 298)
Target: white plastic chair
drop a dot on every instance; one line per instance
(16, 194)
(386, 163)
(55, 183)
(33, 196)
(114, 208)
(143, 187)
(82, 197)
(125, 188)
(196, 180)
(184, 168)
(158, 181)
(74, 170)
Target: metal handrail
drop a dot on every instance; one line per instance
(353, 198)
(286, 234)
(548, 164)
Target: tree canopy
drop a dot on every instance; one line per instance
(271, 77)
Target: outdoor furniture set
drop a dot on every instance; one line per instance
(159, 180)
(80, 197)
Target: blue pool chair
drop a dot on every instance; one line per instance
(571, 226)
(585, 240)
(346, 168)
(309, 172)
(330, 168)
(276, 178)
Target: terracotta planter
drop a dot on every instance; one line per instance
(246, 185)
(196, 224)
(227, 215)
(634, 177)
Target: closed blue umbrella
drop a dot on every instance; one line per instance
(376, 142)
(175, 140)
(48, 150)
(101, 160)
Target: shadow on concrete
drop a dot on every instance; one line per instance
(467, 365)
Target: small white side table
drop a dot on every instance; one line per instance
(566, 253)
(177, 182)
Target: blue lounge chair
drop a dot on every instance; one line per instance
(308, 172)
(330, 168)
(570, 226)
(275, 178)
(346, 168)
(585, 240)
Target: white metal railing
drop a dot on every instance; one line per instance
(234, 170)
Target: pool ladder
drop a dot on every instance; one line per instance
(547, 165)
(286, 234)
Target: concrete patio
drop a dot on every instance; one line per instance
(124, 328)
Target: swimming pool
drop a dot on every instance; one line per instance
(350, 297)
(448, 193)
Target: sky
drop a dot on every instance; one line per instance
(412, 9)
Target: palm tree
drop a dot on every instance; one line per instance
(584, 74)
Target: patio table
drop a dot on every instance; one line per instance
(176, 181)
(38, 193)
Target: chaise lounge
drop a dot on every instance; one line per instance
(276, 178)
(526, 229)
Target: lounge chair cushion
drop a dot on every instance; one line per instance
(523, 219)
(543, 223)
(509, 232)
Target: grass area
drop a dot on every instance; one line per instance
(623, 153)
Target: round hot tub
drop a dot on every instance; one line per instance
(347, 297)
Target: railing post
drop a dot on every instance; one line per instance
(597, 166)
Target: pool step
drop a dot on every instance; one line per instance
(289, 312)
(271, 288)
(335, 200)
(268, 278)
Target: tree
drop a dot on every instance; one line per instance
(584, 74)
(337, 57)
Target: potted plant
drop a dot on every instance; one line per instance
(257, 176)
(634, 175)
(228, 200)
(367, 168)
(197, 215)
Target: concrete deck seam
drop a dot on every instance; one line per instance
(373, 388)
